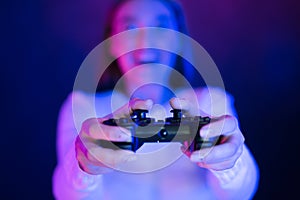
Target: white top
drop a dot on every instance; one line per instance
(181, 179)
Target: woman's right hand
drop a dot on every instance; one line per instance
(95, 159)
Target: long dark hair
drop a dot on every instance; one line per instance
(113, 73)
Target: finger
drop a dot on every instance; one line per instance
(141, 104)
(84, 163)
(222, 164)
(95, 159)
(225, 125)
(94, 129)
(227, 164)
(109, 157)
(126, 110)
(88, 166)
(187, 108)
(121, 112)
(221, 152)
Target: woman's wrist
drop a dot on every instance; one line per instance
(234, 174)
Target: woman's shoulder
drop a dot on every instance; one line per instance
(212, 100)
(84, 101)
(79, 97)
(102, 102)
(204, 92)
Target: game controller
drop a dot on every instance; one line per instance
(173, 129)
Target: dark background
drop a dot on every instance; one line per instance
(254, 43)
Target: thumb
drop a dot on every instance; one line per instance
(185, 105)
(127, 109)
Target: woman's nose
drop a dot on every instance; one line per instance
(145, 39)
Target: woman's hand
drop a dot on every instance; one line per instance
(224, 155)
(95, 159)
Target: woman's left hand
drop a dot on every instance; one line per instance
(223, 155)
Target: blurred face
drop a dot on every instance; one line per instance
(139, 14)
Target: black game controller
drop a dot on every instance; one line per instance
(173, 129)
